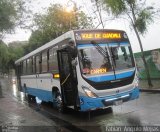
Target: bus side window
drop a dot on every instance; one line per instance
(29, 66)
(24, 67)
(33, 65)
(44, 61)
(21, 69)
(50, 61)
(53, 63)
(38, 64)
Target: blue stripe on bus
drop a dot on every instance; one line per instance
(101, 78)
(125, 74)
(41, 94)
(110, 77)
(109, 44)
(88, 103)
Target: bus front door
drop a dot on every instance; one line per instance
(68, 79)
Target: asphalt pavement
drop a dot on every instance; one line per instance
(17, 116)
(16, 111)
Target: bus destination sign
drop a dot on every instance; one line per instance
(98, 36)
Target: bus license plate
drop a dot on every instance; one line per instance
(118, 102)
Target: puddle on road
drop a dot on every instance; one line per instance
(19, 95)
(73, 120)
(118, 115)
(61, 123)
(1, 90)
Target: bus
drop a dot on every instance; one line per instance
(82, 69)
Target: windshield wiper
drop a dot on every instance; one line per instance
(105, 55)
(100, 49)
(113, 56)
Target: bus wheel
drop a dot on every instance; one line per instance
(59, 103)
(31, 98)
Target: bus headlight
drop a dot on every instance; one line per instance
(88, 92)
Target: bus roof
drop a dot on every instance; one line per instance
(67, 35)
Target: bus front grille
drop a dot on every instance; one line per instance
(112, 84)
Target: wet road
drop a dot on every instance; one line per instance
(142, 112)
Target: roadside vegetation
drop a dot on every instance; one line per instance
(44, 27)
(57, 20)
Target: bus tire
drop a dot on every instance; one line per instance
(31, 98)
(58, 103)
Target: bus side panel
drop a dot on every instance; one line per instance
(28, 81)
(40, 86)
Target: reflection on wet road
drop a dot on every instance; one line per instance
(141, 112)
(1, 90)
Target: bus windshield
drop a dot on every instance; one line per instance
(118, 57)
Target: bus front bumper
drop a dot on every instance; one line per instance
(89, 104)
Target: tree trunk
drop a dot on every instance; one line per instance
(140, 43)
(143, 58)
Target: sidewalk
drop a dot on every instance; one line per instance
(143, 84)
(16, 113)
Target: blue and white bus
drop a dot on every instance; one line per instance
(81, 69)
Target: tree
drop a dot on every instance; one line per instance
(139, 16)
(3, 57)
(55, 22)
(9, 54)
(11, 15)
(15, 51)
(98, 12)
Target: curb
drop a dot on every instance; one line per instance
(150, 90)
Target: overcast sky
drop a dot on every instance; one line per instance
(150, 41)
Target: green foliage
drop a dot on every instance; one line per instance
(136, 11)
(16, 50)
(144, 18)
(36, 40)
(55, 22)
(8, 55)
(14, 54)
(116, 7)
(4, 59)
(47, 27)
(7, 11)
(140, 17)
(10, 13)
